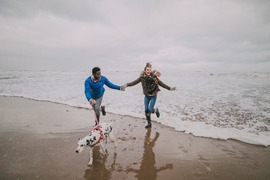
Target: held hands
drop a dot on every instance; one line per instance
(92, 102)
(173, 89)
(123, 87)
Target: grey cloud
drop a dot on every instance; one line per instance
(124, 34)
(68, 9)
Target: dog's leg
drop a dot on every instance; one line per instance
(102, 146)
(111, 136)
(91, 156)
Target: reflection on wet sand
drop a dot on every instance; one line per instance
(148, 170)
(28, 153)
(99, 170)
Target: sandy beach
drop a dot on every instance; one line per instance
(38, 141)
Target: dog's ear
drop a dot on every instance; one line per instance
(87, 142)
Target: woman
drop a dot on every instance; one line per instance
(150, 85)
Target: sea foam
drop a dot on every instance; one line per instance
(215, 105)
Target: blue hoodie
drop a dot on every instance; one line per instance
(94, 90)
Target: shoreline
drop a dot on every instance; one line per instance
(218, 134)
(38, 140)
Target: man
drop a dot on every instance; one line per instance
(94, 90)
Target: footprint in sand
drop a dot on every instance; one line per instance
(205, 162)
(182, 148)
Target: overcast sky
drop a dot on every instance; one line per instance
(178, 35)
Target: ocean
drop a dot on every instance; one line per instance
(214, 105)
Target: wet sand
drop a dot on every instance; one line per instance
(38, 141)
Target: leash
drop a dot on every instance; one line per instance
(96, 116)
(97, 128)
(95, 113)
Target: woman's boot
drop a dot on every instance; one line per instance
(157, 112)
(148, 118)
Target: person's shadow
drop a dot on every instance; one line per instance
(99, 170)
(148, 170)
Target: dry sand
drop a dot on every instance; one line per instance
(38, 141)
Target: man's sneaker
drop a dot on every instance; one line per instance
(103, 110)
(157, 112)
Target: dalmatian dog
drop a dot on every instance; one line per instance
(96, 136)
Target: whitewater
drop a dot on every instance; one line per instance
(214, 105)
